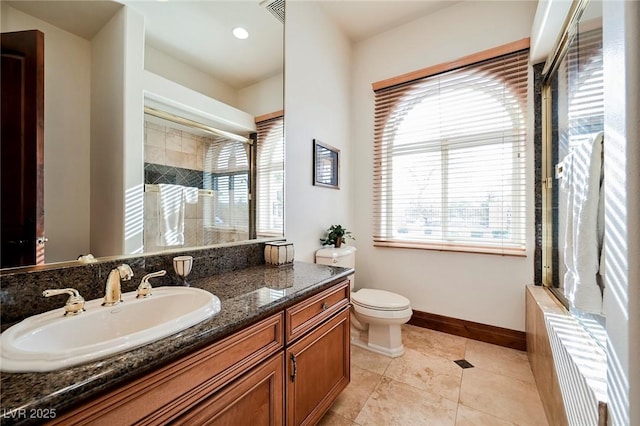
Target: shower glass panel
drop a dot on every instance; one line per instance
(210, 175)
(580, 118)
(577, 160)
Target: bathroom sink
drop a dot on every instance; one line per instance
(51, 341)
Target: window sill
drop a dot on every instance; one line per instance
(500, 251)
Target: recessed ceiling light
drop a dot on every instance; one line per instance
(240, 33)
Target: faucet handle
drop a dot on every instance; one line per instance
(125, 272)
(144, 289)
(75, 303)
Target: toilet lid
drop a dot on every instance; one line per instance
(380, 300)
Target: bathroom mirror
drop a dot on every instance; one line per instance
(573, 155)
(187, 42)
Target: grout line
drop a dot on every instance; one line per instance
(455, 419)
(338, 415)
(460, 390)
(490, 415)
(461, 381)
(466, 348)
(367, 398)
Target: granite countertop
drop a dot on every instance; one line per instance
(247, 296)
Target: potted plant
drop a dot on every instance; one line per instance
(336, 235)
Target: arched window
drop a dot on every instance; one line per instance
(226, 166)
(270, 177)
(449, 170)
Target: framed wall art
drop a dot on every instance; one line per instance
(326, 165)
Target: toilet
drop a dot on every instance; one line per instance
(376, 315)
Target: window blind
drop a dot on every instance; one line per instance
(227, 165)
(449, 159)
(270, 177)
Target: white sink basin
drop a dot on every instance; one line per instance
(51, 341)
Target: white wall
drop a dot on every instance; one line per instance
(482, 288)
(264, 97)
(170, 68)
(133, 140)
(317, 81)
(169, 96)
(260, 98)
(621, 36)
(117, 135)
(66, 135)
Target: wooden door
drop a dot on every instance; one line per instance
(318, 369)
(22, 136)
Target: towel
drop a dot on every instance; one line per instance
(585, 219)
(171, 206)
(190, 195)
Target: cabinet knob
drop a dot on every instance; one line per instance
(325, 306)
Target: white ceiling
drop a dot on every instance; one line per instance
(361, 19)
(82, 18)
(199, 32)
(195, 32)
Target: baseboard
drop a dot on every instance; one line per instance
(473, 330)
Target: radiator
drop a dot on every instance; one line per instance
(581, 369)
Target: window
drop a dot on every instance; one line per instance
(449, 157)
(270, 177)
(228, 161)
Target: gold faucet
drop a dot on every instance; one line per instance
(113, 290)
(144, 289)
(75, 302)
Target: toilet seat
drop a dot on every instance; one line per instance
(379, 300)
(382, 316)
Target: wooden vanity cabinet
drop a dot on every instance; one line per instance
(308, 314)
(318, 369)
(317, 354)
(300, 354)
(203, 382)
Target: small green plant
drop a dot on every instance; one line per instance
(336, 235)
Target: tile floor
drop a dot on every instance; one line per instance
(426, 387)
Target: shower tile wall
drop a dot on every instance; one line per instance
(175, 148)
(183, 152)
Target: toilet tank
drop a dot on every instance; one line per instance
(344, 256)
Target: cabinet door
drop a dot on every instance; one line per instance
(318, 369)
(256, 399)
